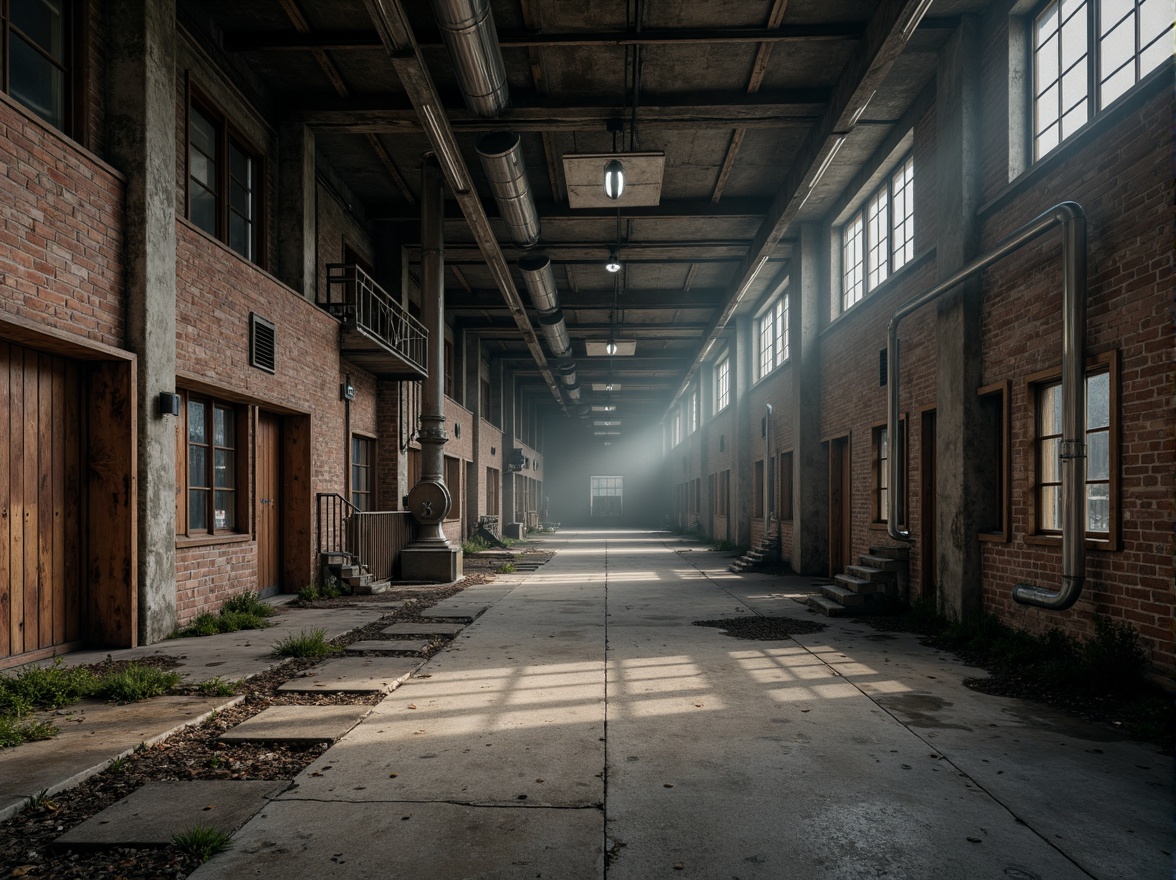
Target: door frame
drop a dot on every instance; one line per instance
(840, 449)
(928, 565)
(276, 504)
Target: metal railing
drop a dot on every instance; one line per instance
(354, 298)
(372, 539)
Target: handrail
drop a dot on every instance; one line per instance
(333, 512)
(369, 538)
(354, 297)
(1072, 450)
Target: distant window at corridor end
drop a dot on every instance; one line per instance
(607, 496)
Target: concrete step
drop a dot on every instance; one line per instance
(856, 584)
(358, 582)
(882, 563)
(902, 553)
(827, 606)
(843, 596)
(868, 573)
(349, 571)
(370, 588)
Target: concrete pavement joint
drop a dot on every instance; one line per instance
(508, 805)
(604, 771)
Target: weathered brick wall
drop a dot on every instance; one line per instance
(1121, 175)
(61, 231)
(215, 292)
(489, 456)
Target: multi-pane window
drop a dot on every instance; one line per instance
(773, 336)
(722, 384)
(224, 184)
(676, 427)
(35, 52)
(211, 466)
(363, 455)
(607, 495)
(881, 475)
(880, 238)
(692, 413)
(1100, 468)
(1086, 53)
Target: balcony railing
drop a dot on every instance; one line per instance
(378, 333)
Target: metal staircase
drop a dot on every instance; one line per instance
(880, 580)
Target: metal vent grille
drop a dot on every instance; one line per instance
(882, 364)
(263, 347)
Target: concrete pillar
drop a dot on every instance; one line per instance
(745, 422)
(706, 392)
(296, 220)
(141, 121)
(430, 557)
(959, 463)
(810, 459)
(476, 473)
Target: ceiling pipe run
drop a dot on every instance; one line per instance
(1072, 451)
(471, 39)
(540, 281)
(556, 332)
(502, 159)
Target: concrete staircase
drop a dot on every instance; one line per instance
(879, 581)
(765, 552)
(349, 573)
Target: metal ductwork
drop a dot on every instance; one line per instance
(467, 27)
(502, 160)
(556, 331)
(568, 372)
(540, 280)
(574, 392)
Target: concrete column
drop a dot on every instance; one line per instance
(959, 462)
(430, 557)
(476, 473)
(141, 122)
(706, 391)
(810, 459)
(745, 422)
(296, 220)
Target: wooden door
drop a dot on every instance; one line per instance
(269, 539)
(840, 520)
(40, 502)
(928, 567)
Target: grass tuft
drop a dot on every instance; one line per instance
(505, 568)
(306, 644)
(135, 683)
(248, 603)
(244, 611)
(475, 544)
(201, 842)
(217, 687)
(14, 732)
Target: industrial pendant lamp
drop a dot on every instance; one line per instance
(614, 260)
(611, 347)
(614, 178)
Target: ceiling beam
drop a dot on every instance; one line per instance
(781, 109)
(557, 212)
(634, 300)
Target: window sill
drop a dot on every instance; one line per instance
(1001, 537)
(185, 541)
(880, 293)
(1050, 540)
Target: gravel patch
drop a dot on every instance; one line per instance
(763, 629)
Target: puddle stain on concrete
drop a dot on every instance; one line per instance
(919, 710)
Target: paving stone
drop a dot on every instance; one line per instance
(154, 813)
(458, 612)
(297, 724)
(423, 630)
(354, 675)
(399, 646)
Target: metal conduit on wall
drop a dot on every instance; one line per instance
(471, 39)
(1072, 451)
(502, 160)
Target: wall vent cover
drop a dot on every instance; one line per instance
(263, 346)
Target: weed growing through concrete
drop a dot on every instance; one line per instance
(505, 568)
(200, 842)
(135, 683)
(474, 545)
(217, 687)
(305, 644)
(245, 611)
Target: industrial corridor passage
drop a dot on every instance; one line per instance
(583, 727)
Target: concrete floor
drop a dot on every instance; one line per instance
(582, 728)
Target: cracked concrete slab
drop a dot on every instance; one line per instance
(153, 814)
(423, 630)
(296, 724)
(354, 675)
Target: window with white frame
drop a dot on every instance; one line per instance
(773, 336)
(692, 412)
(722, 384)
(676, 427)
(1087, 53)
(879, 238)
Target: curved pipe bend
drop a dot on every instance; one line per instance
(1072, 450)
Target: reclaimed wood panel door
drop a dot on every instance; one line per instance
(40, 502)
(269, 487)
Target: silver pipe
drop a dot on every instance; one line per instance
(556, 332)
(568, 372)
(574, 392)
(1073, 455)
(471, 39)
(502, 160)
(540, 281)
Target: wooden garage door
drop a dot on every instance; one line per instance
(40, 501)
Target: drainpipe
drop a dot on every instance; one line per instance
(1073, 447)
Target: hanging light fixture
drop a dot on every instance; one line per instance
(611, 347)
(614, 178)
(608, 387)
(614, 260)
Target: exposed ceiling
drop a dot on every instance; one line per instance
(746, 98)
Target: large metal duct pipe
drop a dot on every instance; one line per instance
(574, 392)
(556, 332)
(467, 27)
(502, 160)
(568, 372)
(540, 281)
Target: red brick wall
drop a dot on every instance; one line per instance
(61, 231)
(215, 292)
